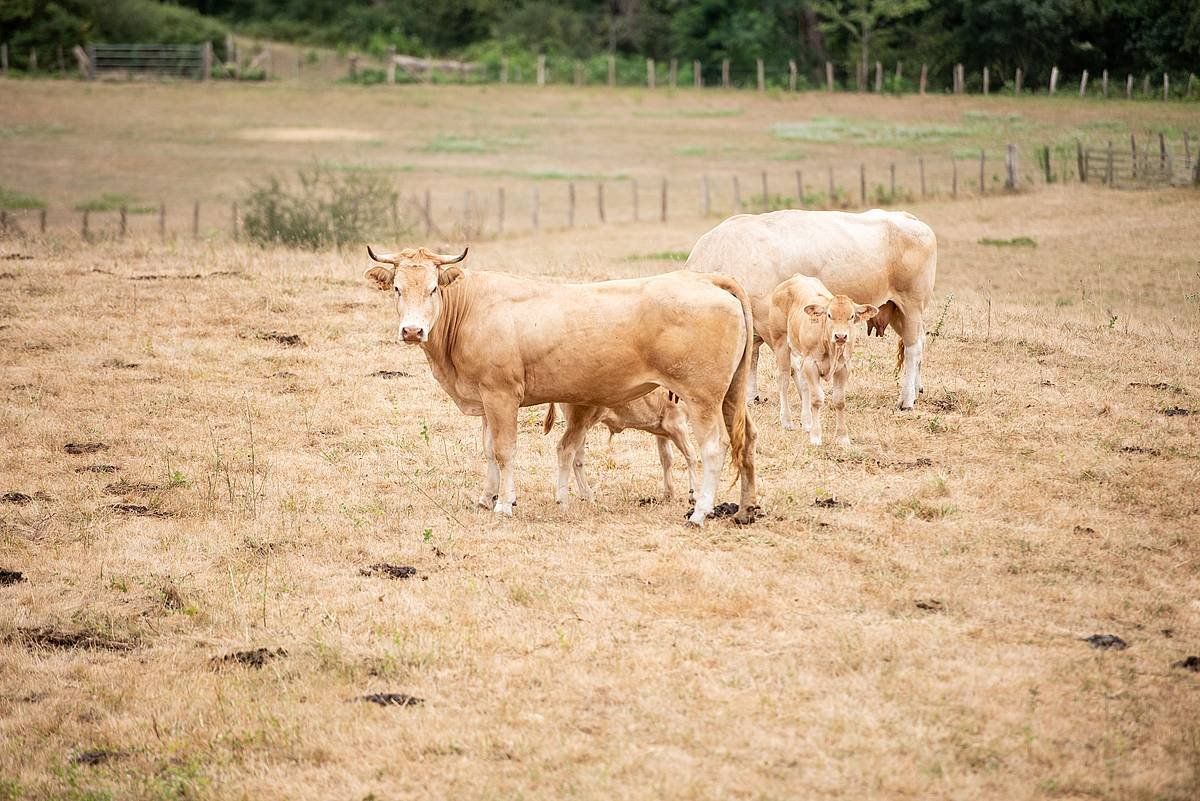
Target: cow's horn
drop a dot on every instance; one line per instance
(451, 259)
(386, 258)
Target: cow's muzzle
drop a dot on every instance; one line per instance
(412, 334)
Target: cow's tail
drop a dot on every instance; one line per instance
(899, 355)
(738, 424)
(549, 423)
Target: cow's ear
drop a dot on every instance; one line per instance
(381, 277)
(449, 276)
(815, 311)
(866, 311)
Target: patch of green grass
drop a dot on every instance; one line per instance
(1015, 242)
(662, 255)
(923, 510)
(838, 129)
(691, 150)
(112, 201)
(448, 143)
(35, 130)
(10, 199)
(342, 167)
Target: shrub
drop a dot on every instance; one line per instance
(326, 208)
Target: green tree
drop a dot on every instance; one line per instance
(863, 18)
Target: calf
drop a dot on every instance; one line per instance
(656, 413)
(812, 334)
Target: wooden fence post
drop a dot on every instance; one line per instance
(791, 75)
(762, 80)
(799, 188)
(578, 72)
(33, 59)
(1104, 83)
(737, 195)
(1146, 85)
(1083, 84)
(674, 73)
(1133, 160)
(124, 222)
(4, 58)
(1010, 164)
(535, 204)
(196, 220)
(862, 182)
(1079, 159)
(707, 197)
(986, 81)
(353, 66)
(1187, 151)
(899, 74)
(724, 73)
(570, 204)
(1162, 151)
(924, 77)
(541, 69)
(612, 70)
(765, 193)
(892, 172)
(650, 73)
(1053, 79)
(829, 76)
(1108, 172)
(962, 79)
(206, 62)
(921, 169)
(982, 165)
(1166, 87)
(84, 227)
(1017, 83)
(162, 222)
(428, 212)
(697, 75)
(1128, 87)
(832, 187)
(636, 214)
(500, 210)
(504, 69)
(391, 65)
(1046, 164)
(42, 220)
(233, 219)
(664, 199)
(953, 177)
(878, 77)
(600, 201)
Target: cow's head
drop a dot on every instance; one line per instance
(839, 315)
(417, 277)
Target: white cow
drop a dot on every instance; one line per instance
(873, 257)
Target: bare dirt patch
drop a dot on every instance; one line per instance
(307, 135)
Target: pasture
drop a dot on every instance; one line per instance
(212, 445)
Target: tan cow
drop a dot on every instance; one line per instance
(656, 413)
(497, 342)
(812, 333)
(873, 257)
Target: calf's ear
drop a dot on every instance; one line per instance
(815, 311)
(866, 311)
(449, 276)
(381, 277)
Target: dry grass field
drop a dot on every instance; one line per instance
(907, 621)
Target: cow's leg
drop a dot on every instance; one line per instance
(491, 486)
(571, 451)
(664, 456)
(801, 378)
(501, 413)
(678, 434)
(816, 397)
(707, 427)
(838, 400)
(912, 335)
(752, 379)
(783, 362)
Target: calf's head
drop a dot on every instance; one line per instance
(416, 278)
(838, 316)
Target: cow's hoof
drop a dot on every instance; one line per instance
(696, 520)
(814, 441)
(486, 501)
(503, 509)
(844, 442)
(788, 426)
(905, 408)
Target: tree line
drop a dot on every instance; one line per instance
(1134, 36)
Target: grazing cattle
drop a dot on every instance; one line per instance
(873, 257)
(497, 342)
(812, 333)
(655, 413)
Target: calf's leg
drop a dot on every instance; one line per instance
(664, 457)
(677, 432)
(816, 396)
(571, 452)
(838, 399)
(783, 363)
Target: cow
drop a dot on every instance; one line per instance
(496, 342)
(811, 331)
(656, 413)
(874, 257)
